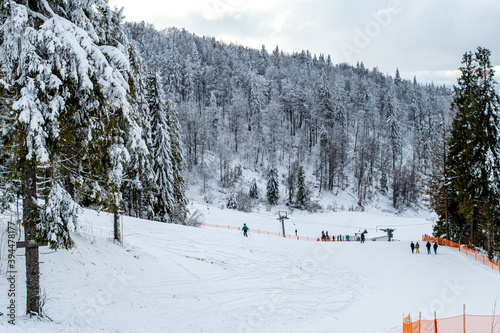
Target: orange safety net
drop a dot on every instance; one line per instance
(257, 231)
(459, 324)
(462, 248)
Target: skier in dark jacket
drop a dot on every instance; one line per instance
(435, 248)
(428, 246)
(362, 237)
(412, 247)
(245, 230)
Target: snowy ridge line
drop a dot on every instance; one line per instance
(258, 231)
(462, 248)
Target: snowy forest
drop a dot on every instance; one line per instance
(83, 125)
(118, 117)
(296, 116)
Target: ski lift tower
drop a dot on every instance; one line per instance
(390, 233)
(283, 215)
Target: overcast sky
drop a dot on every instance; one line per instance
(423, 38)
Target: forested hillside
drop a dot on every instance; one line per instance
(349, 128)
(81, 123)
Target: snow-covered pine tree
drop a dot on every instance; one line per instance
(255, 120)
(178, 164)
(326, 115)
(174, 76)
(71, 117)
(462, 142)
(254, 191)
(231, 202)
(474, 149)
(272, 193)
(302, 197)
(139, 189)
(325, 104)
(395, 142)
(489, 106)
(161, 149)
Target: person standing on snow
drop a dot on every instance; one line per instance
(428, 246)
(362, 237)
(417, 248)
(435, 248)
(245, 230)
(412, 246)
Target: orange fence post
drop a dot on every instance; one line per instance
(435, 323)
(464, 318)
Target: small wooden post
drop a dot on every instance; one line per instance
(435, 323)
(419, 321)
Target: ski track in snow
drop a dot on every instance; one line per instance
(171, 278)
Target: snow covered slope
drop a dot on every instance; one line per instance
(171, 278)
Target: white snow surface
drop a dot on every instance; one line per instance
(173, 278)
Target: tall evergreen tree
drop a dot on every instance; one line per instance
(139, 190)
(73, 116)
(395, 141)
(254, 191)
(161, 149)
(474, 150)
(272, 193)
(302, 192)
(178, 164)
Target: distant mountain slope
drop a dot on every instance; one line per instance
(351, 128)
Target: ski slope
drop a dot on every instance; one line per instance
(172, 278)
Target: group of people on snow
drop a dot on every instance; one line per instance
(341, 238)
(415, 248)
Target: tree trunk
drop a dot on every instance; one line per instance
(491, 231)
(474, 224)
(117, 227)
(30, 217)
(445, 184)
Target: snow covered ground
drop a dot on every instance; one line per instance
(172, 278)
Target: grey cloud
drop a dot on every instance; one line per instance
(420, 36)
